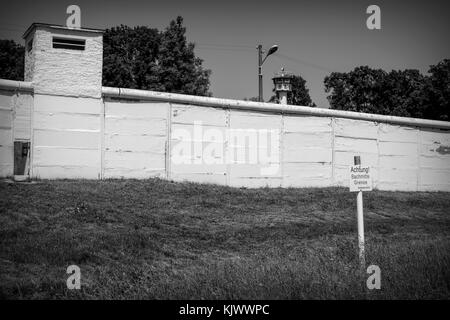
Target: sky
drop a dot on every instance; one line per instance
(315, 37)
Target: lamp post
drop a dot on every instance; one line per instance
(260, 63)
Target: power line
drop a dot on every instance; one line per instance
(226, 45)
(12, 24)
(223, 49)
(210, 46)
(303, 62)
(230, 47)
(11, 29)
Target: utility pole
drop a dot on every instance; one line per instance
(260, 77)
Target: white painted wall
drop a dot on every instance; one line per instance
(135, 137)
(56, 71)
(252, 173)
(6, 134)
(307, 151)
(434, 160)
(138, 134)
(183, 118)
(16, 104)
(315, 147)
(67, 137)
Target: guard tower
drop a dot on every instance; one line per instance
(282, 82)
(64, 61)
(65, 68)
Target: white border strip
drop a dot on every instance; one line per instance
(267, 107)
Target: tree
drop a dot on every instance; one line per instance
(130, 57)
(12, 59)
(406, 93)
(439, 91)
(359, 90)
(180, 70)
(299, 95)
(145, 58)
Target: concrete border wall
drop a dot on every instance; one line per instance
(67, 137)
(316, 146)
(135, 137)
(139, 134)
(16, 103)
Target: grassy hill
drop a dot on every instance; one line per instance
(157, 239)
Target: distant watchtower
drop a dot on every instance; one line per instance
(282, 82)
(64, 61)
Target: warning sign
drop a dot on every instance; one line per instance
(360, 178)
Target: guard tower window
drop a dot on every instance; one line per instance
(71, 44)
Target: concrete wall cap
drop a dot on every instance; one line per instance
(268, 107)
(15, 85)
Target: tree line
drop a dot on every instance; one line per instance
(146, 58)
(405, 93)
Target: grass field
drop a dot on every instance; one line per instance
(156, 239)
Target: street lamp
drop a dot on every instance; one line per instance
(260, 63)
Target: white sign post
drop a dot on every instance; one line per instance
(360, 180)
